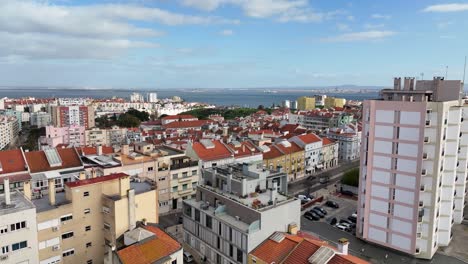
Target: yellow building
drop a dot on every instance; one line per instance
(288, 155)
(83, 223)
(332, 102)
(305, 103)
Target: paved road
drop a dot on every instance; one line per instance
(372, 253)
(311, 183)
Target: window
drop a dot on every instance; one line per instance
(89, 244)
(174, 176)
(219, 243)
(230, 234)
(188, 210)
(184, 187)
(5, 249)
(3, 229)
(106, 210)
(88, 228)
(18, 246)
(174, 261)
(197, 215)
(231, 250)
(67, 235)
(162, 179)
(87, 211)
(68, 252)
(174, 189)
(66, 218)
(240, 255)
(150, 168)
(184, 174)
(194, 172)
(209, 222)
(107, 226)
(18, 226)
(86, 194)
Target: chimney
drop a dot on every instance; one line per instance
(99, 150)
(397, 84)
(343, 246)
(27, 189)
(6, 186)
(82, 176)
(52, 191)
(292, 228)
(131, 209)
(125, 149)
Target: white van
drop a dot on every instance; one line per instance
(188, 258)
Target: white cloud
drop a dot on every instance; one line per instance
(373, 26)
(343, 27)
(360, 36)
(282, 10)
(226, 32)
(350, 18)
(454, 7)
(444, 24)
(381, 16)
(37, 29)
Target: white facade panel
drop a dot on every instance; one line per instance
(385, 116)
(403, 211)
(381, 176)
(405, 181)
(410, 150)
(379, 191)
(377, 235)
(401, 241)
(379, 206)
(378, 220)
(382, 162)
(404, 196)
(406, 165)
(384, 131)
(383, 146)
(402, 226)
(409, 133)
(410, 118)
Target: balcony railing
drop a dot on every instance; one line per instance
(177, 166)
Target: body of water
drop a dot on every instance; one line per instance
(221, 97)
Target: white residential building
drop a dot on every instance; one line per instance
(152, 97)
(18, 228)
(9, 130)
(312, 145)
(413, 166)
(40, 119)
(226, 221)
(137, 97)
(349, 141)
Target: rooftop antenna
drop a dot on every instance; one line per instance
(446, 72)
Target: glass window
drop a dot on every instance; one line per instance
(194, 172)
(88, 228)
(67, 235)
(209, 222)
(86, 194)
(89, 244)
(174, 189)
(68, 253)
(66, 218)
(240, 255)
(175, 176)
(19, 245)
(197, 215)
(87, 211)
(184, 187)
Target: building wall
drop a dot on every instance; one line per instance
(305, 103)
(28, 234)
(293, 164)
(332, 102)
(177, 182)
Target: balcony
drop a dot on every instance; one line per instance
(176, 166)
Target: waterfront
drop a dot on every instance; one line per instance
(221, 97)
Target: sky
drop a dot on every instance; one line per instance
(229, 43)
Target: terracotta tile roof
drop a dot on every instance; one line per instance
(309, 138)
(273, 153)
(185, 124)
(297, 249)
(37, 160)
(327, 141)
(289, 150)
(93, 150)
(16, 178)
(12, 161)
(220, 151)
(246, 148)
(177, 117)
(96, 180)
(151, 250)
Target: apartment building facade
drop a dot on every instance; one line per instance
(305, 103)
(9, 130)
(287, 155)
(235, 209)
(73, 135)
(184, 178)
(40, 119)
(82, 224)
(349, 140)
(114, 136)
(63, 116)
(413, 166)
(333, 102)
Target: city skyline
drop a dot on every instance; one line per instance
(227, 43)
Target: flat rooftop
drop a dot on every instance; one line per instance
(100, 160)
(43, 204)
(18, 203)
(238, 173)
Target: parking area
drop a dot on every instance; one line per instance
(347, 207)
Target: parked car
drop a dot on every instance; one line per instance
(345, 221)
(343, 227)
(311, 216)
(321, 210)
(188, 258)
(304, 199)
(352, 218)
(332, 220)
(346, 192)
(332, 204)
(320, 214)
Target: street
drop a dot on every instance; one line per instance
(311, 183)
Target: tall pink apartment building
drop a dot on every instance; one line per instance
(413, 166)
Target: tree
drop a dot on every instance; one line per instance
(127, 120)
(261, 107)
(142, 115)
(351, 177)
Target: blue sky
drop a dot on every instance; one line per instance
(228, 43)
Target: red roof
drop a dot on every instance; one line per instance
(16, 178)
(297, 249)
(151, 250)
(177, 117)
(273, 153)
(185, 124)
(246, 148)
(93, 150)
(327, 141)
(309, 138)
(12, 161)
(219, 151)
(96, 180)
(37, 160)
